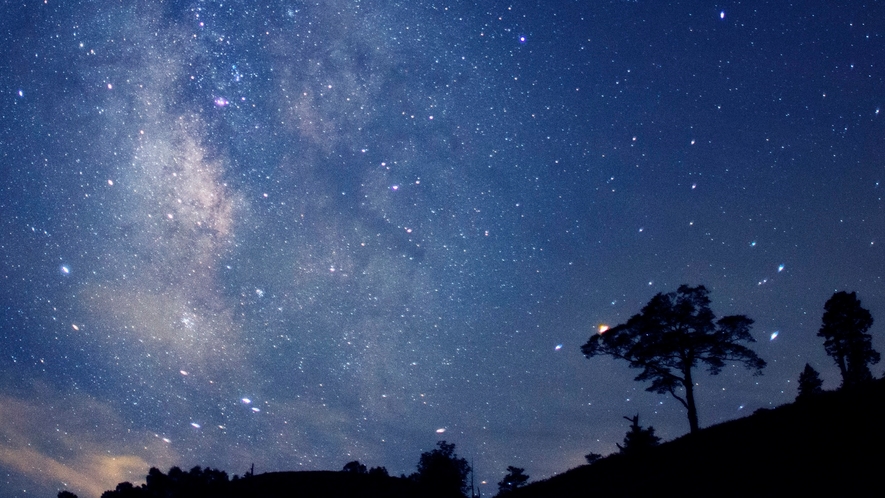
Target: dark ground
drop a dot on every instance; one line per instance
(830, 445)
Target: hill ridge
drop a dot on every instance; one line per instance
(831, 444)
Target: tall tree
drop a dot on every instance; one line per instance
(515, 478)
(672, 334)
(809, 383)
(442, 472)
(844, 329)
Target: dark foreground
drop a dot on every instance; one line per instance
(830, 445)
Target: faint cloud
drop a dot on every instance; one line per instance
(73, 442)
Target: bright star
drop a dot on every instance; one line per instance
(774, 335)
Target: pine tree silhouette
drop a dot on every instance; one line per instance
(638, 440)
(809, 383)
(515, 478)
(673, 335)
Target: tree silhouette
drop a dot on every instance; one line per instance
(355, 467)
(66, 494)
(638, 440)
(515, 478)
(809, 383)
(592, 458)
(125, 490)
(442, 473)
(379, 472)
(670, 336)
(196, 483)
(844, 329)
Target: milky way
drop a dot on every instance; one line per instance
(304, 233)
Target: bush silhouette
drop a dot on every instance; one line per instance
(638, 440)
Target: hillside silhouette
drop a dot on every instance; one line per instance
(829, 444)
(440, 474)
(826, 443)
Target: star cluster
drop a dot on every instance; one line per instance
(297, 234)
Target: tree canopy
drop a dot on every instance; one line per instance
(671, 335)
(844, 328)
(515, 478)
(196, 483)
(355, 467)
(638, 440)
(442, 472)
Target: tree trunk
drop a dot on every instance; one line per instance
(843, 369)
(688, 383)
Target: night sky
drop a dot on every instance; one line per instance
(304, 233)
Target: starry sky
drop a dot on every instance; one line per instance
(299, 233)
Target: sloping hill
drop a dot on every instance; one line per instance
(831, 445)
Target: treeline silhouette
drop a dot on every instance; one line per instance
(441, 473)
(815, 446)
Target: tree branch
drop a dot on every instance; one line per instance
(684, 403)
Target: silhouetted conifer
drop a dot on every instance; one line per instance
(844, 329)
(638, 440)
(593, 458)
(809, 383)
(515, 478)
(66, 494)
